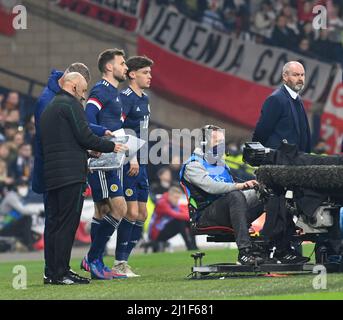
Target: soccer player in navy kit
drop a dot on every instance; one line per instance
(136, 115)
(104, 112)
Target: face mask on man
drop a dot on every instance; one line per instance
(23, 191)
(218, 150)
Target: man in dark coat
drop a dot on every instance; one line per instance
(48, 93)
(66, 137)
(283, 115)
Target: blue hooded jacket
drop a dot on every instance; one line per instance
(45, 98)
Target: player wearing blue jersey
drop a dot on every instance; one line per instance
(136, 115)
(104, 112)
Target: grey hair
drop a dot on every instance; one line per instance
(288, 65)
(80, 68)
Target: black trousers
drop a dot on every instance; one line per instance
(175, 227)
(64, 210)
(232, 210)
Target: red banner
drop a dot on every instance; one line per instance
(6, 19)
(216, 92)
(216, 72)
(121, 14)
(332, 118)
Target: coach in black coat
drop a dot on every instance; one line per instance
(283, 115)
(66, 137)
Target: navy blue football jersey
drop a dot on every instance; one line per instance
(136, 116)
(104, 108)
(136, 112)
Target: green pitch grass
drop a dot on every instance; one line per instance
(164, 276)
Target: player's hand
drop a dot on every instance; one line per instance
(119, 147)
(109, 133)
(134, 169)
(94, 154)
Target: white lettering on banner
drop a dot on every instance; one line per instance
(332, 117)
(253, 62)
(334, 104)
(128, 7)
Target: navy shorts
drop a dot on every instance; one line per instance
(136, 188)
(105, 184)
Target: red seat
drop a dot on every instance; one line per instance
(210, 230)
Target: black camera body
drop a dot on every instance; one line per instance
(312, 185)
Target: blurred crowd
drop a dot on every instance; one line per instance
(282, 23)
(17, 132)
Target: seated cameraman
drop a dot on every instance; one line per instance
(215, 198)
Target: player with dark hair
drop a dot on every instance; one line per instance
(136, 114)
(104, 112)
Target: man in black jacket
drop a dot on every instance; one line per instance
(66, 137)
